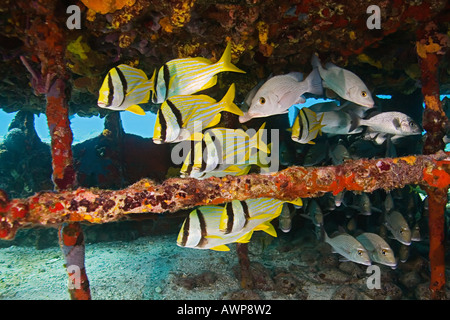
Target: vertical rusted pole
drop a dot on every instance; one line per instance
(434, 121)
(61, 136)
(71, 237)
(71, 241)
(244, 264)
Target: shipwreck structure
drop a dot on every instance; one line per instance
(53, 63)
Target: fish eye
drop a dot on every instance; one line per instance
(360, 252)
(262, 100)
(384, 252)
(364, 94)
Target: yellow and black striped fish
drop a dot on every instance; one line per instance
(186, 76)
(224, 150)
(180, 116)
(213, 227)
(124, 88)
(306, 126)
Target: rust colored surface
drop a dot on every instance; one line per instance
(244, 263)
(61, 136)
(71, 241)
(101, 206)
(429, 50)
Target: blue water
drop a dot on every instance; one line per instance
(86, 128)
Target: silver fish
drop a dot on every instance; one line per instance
(388, 203)
(285, 218)
(403, 253)
(364, 205)
(347, 107)
(398, 226)
(339, 153)
(339, 198)
(350, 248)
(378, 249)
(352, 224)
(392, 122)
(338, 123)
(314, 213)
(415, 232)
(344, 83)
(279, 93)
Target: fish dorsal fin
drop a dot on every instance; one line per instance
(296, 75)
(136, 109)
(133, 76)
(220, 248)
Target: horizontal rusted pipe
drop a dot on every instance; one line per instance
(101, 206)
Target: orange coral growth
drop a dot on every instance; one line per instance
(107, 6)
(437, 178)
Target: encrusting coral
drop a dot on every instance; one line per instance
(101, 206)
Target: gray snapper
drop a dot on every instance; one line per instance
(378, 249)
(397, 224)
(281, 92)
(344, 83)
(350, 248)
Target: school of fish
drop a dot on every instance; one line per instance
(349, 127)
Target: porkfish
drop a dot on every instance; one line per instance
(179, 117)
(186, 76)
(124, 88)
(213, 227)
(224, 150)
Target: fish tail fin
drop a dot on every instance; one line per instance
(228, 99)
(153, 98)
(226, 61)
(355, 122)
(257, 140)
(315, 61)
(314, 82)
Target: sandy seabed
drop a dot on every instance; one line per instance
(155, 268)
